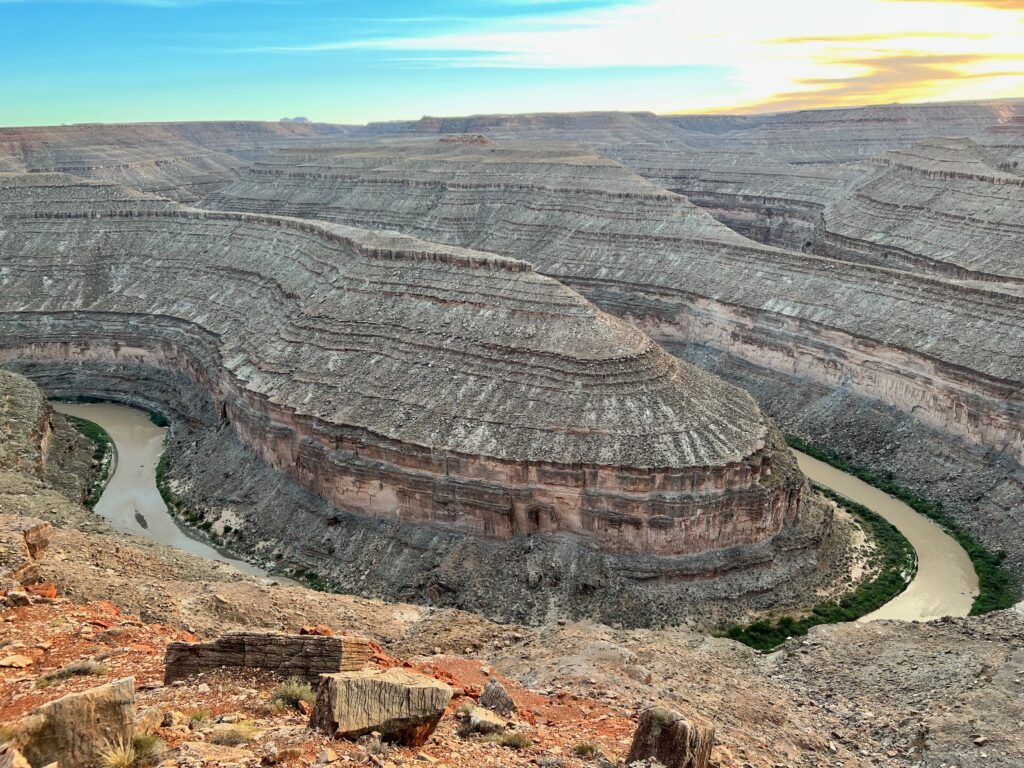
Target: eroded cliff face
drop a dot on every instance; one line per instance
(182, 161)
(403, 380)
(277, 522)
(651, 256)
(944, 206)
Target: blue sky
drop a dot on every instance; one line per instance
(357, 61)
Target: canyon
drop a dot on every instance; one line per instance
(414, 384)
(889, 694)
(512, 393)
(656, 259)
(893, 342)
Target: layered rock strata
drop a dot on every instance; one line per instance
(649, 255)
(178, 160)
(944, 206)
(304, 656)
(829, 136)
(947, 207)
(407, 381)
(400, 705)
(525, 579)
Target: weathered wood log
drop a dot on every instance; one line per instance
(671, 739)
(303, 656)
(402, 706)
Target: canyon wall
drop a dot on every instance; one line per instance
(943, 206)
(400, 379)
(651, 256)
(182, 161)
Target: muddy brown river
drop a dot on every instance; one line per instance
(131, 501)
(946, 583)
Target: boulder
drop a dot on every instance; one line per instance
(303, 656)
(496, 698)
(16, 598)
(12, 758)
(483, 720)
(74, 729)
(149, 720)
(22, 542)
(402, 706)
(671, 739)
(17, 661)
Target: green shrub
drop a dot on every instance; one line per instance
(157, 418)
(147, 746)
(587, 749)
(102, 457)
(290, 692)
(198, 716)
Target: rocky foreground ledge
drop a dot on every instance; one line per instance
(567, 694)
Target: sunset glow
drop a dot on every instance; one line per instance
(359, 61)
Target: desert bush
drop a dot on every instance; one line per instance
(75, 669)
(118, 755)
(233, 735)
(293, 690)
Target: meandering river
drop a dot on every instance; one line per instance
(945, 584)
(131, 501)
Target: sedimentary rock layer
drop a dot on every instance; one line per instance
(525, 578)
(651, 256)
(304, 656)
(406, 380)
(182, 161)
(826, 136)
(944, 206)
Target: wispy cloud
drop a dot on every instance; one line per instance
(1009, 5)
(374, 59)
(898, 77)
(785, 52)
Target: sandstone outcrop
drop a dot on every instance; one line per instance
(409, 381)
(74, 730)
(671, 739)
(483, 720)
(495, 697)
(303, 656)
(402, 706)
(22, 543)
(652, 257)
